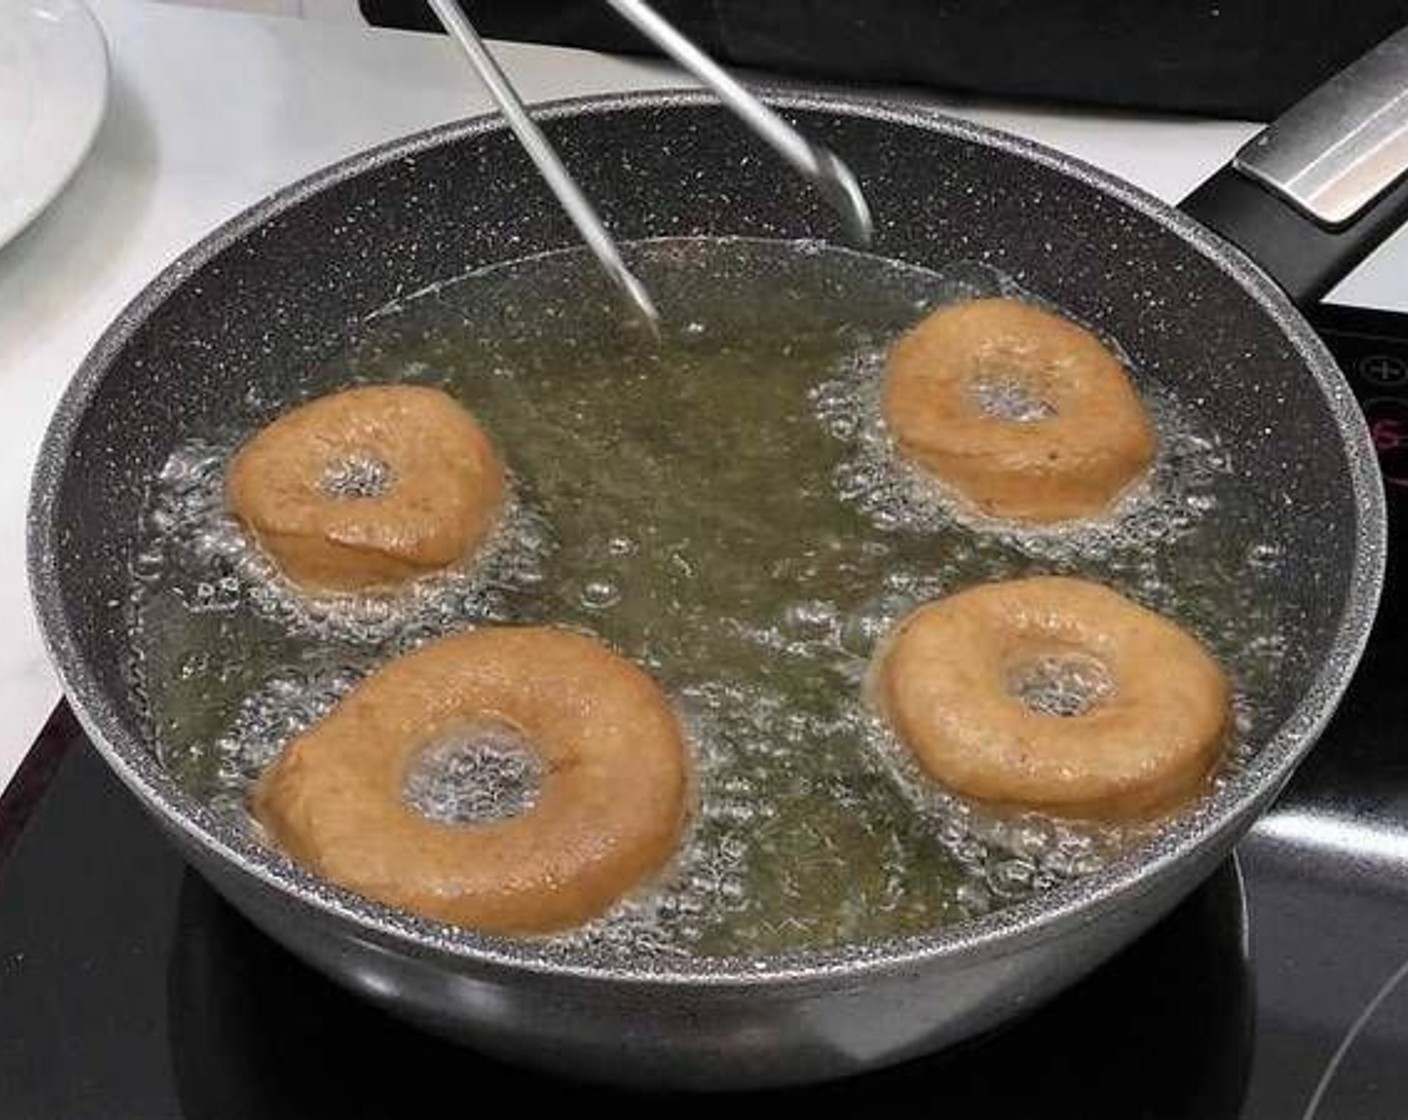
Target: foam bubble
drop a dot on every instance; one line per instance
(194, 549)
(1014, 854)
(1064, 684)
(484, 771)
(284, 705)
(1181, 489)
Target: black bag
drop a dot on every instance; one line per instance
(1238, 58)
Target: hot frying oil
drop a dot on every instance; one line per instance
(723, 507)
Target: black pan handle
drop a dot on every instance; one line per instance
(1309, 197)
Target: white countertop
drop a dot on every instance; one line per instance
(212, 110)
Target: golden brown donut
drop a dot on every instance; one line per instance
(609, 812)
(1085, 437)
(944, 679)
(443, 494)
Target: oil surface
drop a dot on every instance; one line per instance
(722, 507)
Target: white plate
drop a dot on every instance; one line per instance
(53, 90)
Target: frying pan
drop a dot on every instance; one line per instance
(277, 289)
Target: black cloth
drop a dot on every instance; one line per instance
(1236, 58)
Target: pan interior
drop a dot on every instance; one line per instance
(257, 315)
(725, 509)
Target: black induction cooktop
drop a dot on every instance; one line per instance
(129, 990)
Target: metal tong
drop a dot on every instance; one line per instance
(821, 167)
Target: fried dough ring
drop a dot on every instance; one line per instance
(442, 497)
(1087, 437)
(608, 815)
(943, 679)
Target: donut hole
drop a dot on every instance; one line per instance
(475, 773)
(356, 476)
(1011, 396)
(1065, 683)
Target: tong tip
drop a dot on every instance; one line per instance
(637, 298)
(841, 189)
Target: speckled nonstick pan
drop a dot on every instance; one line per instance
(274, 292)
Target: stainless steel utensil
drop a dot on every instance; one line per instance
(817, 164)
(545, 158)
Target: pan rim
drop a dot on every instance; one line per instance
(1004, 931)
